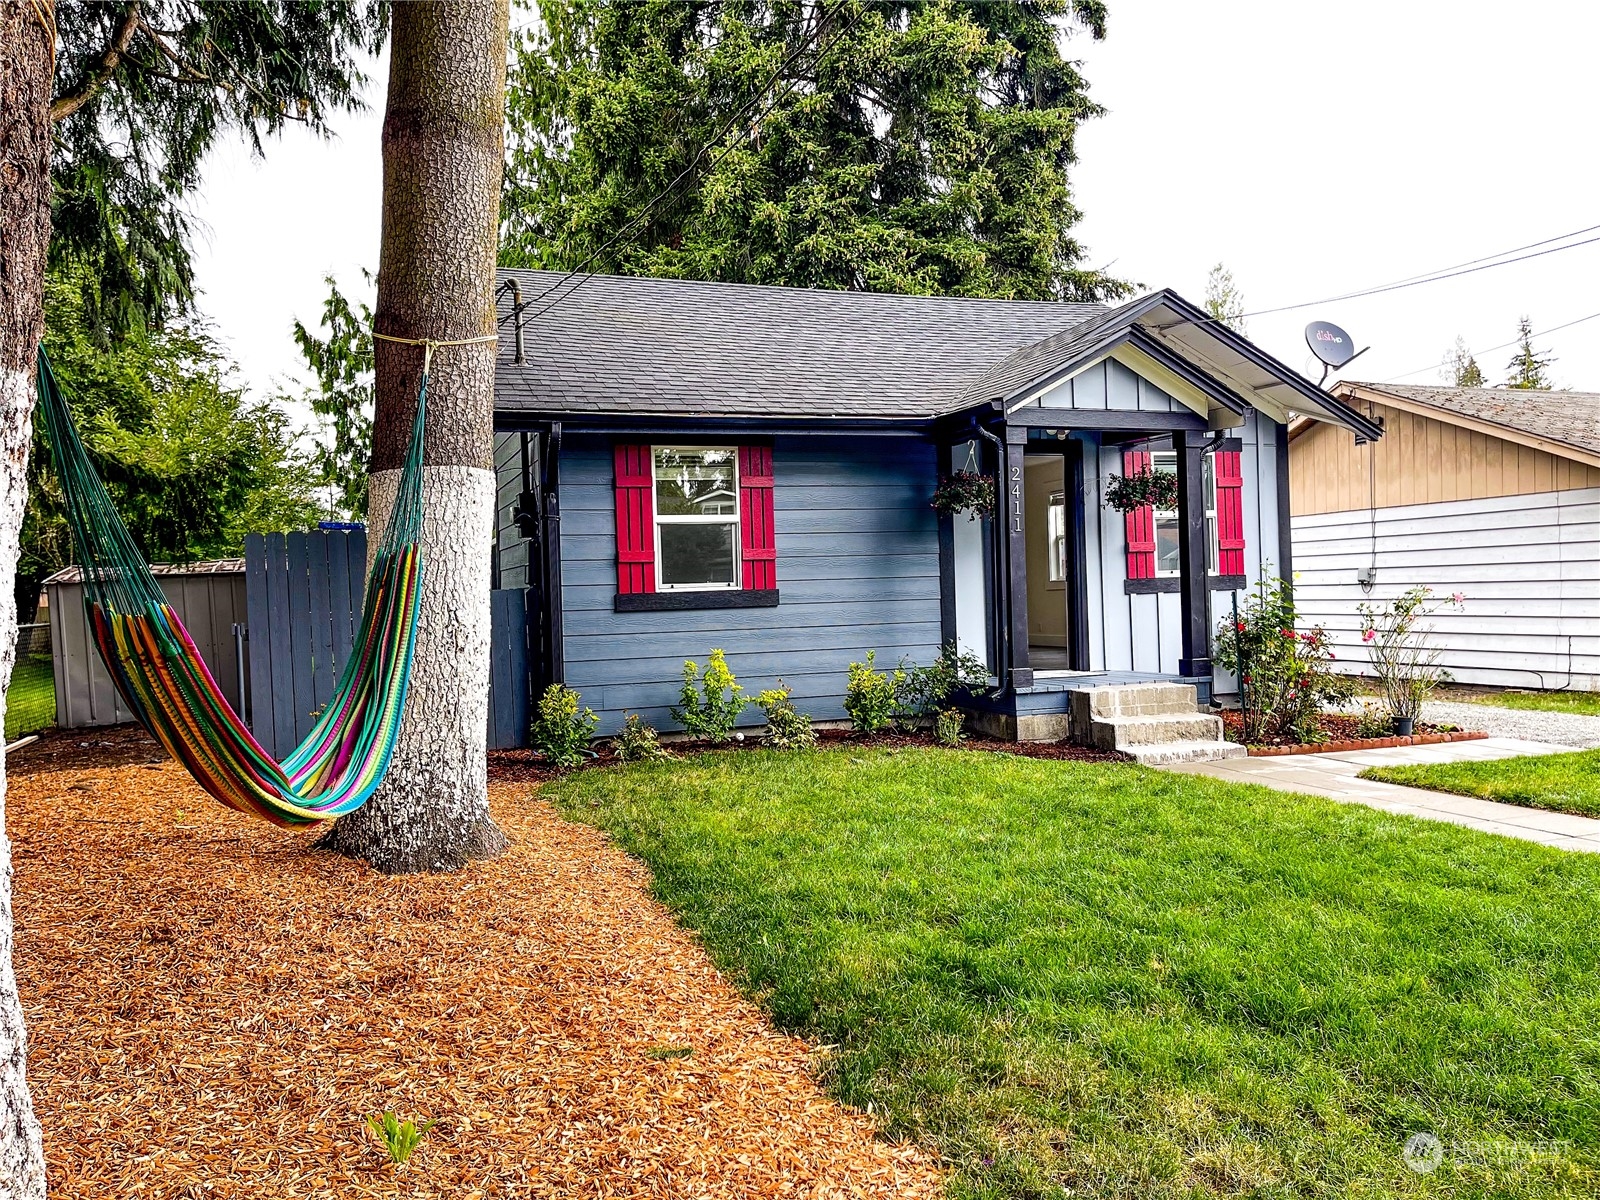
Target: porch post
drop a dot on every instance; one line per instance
(1014, 585)
(1194, 621)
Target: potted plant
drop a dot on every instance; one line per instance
(1146, 488)
(1406, 665)
(971, 492)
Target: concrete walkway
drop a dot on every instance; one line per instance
(1335, 775)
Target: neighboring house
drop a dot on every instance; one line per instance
(1490, 492)
(687, 466)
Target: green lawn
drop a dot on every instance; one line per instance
(1101, 980)
(1563, 782)
(1585, 703)
(31, 699)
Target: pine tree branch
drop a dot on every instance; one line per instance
(64, 106)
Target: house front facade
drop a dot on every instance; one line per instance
(686, 466)
(1492, 493)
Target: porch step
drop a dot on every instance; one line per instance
(1161, 754)
(1154, 722)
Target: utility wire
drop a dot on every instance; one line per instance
(700, 154)
(1503, 346)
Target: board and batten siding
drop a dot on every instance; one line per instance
(1419, 460)
(858, 570)
(1141, 632)
(1528, 566)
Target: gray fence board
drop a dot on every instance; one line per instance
(508, 669)
(303, 598)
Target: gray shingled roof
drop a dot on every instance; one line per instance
(678, 347)
(1572, 418)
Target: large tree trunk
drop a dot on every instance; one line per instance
(442, 160)
(25, 82)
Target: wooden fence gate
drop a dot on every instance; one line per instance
(303, 595)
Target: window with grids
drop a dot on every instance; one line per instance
(1166, 519)
(696, 491)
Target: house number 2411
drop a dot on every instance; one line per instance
(1016, 499)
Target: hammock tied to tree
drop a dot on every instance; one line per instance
(164, 681)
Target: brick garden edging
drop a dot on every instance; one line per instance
(1415, 739)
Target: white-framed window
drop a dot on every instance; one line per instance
(1167, 518)
(1056, 533)
(697, 516)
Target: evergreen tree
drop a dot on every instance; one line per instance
(1461, 368)
(1529, 369)
(191, 464)
(342, 398)
(143, 91)
(1224, 301)
(893, 146)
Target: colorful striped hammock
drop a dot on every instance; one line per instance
(164, 681)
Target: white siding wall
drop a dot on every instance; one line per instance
(1141, 633)
(1529, 567)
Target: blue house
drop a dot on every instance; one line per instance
(687, 465)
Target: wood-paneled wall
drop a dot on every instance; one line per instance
(1419, 460)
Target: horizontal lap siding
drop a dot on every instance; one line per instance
(857, 570)
(1528, 565)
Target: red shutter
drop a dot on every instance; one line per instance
(1141, 523)
(636, 534)
(760, 542)
(1230, 512)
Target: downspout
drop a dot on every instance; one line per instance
(1000, 554)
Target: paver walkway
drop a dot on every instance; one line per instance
(1336, 774)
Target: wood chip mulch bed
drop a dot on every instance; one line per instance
(1340, 737)
(213, 1007)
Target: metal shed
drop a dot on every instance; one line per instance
(208, 598)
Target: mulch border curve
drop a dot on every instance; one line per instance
(1383, 743)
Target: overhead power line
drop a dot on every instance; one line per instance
(1502, 346)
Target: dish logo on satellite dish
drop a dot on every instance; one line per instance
(1329, 343)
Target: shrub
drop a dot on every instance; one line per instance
(560, 731)
(787, 726)
(399, 1137)
(947, 724)
(1406, 665)
(872, 697)
(1285, 676)
(709, 704)
(924, 691)
(637, 742)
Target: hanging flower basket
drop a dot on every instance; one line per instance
(970, 492)
(1148, 488)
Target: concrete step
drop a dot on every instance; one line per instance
(1126, 732)
(1132, 700)
(1160, 754)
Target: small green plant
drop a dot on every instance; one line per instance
(924, 691)
(1374, 721)
(872, 697)
(787, 726)
(637, 742)
(399, 1137)
(709, 704)
(947, 726)
(560, 731)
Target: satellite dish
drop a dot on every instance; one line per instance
(1330, 343)
(1333, 347)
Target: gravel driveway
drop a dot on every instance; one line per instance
(1563, 729)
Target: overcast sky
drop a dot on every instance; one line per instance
(1315, 149)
